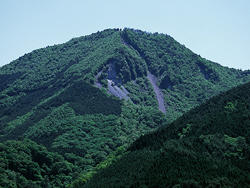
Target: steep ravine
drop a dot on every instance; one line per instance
(114, 84)
(158, 93)
(97, 83)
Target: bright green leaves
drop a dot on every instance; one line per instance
(231, 106)
(185, 131)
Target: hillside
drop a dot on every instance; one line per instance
(207, 147)
(91, 95)
(27, 164)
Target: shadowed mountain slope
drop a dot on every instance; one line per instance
(207, 147)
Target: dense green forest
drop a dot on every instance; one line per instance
(27, 164)
(83, 100)
(207, 147)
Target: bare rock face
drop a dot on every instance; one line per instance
(97, 83)
(114, 82)
(117, 91)
(115, 86)
(158, 92)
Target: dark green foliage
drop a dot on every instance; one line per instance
(187, 79)
(27, 164)
(141, 92)
(50, 95)
(227, 113)
(86, 99)
(207, 147)
(128, 64)
(111, 158)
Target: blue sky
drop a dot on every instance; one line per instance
(218, 30)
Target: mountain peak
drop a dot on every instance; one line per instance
(87, 97)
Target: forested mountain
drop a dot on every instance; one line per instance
(207, 147)
(88, 97)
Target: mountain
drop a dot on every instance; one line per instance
(88, 97)
(207, 147)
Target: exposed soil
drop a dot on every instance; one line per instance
(158, 92)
